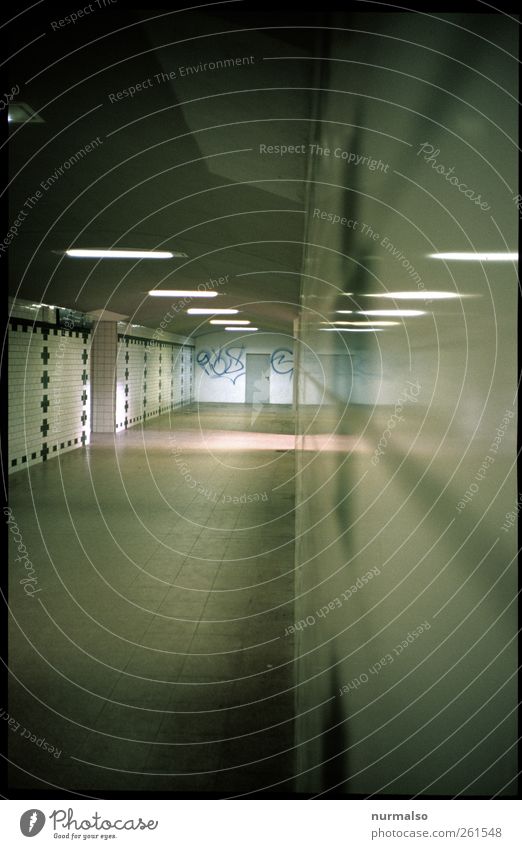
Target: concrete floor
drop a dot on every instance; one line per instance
(154, 656)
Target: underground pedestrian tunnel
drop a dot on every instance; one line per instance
(262, 404)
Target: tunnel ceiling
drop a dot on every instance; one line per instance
(176, 166)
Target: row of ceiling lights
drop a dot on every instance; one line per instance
(336, 326)
(93, 253)
(118, 253)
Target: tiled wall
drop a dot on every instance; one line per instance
(152, 378)
(50, 385)
(152, 381)
(48, 392)
(187, 375)
(175, 374)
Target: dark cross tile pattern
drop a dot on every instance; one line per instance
(25, 326)
(44, 428)
(164, 667)
(46, 356)
(147, 345)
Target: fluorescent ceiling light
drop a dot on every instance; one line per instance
(490, 256)
(364, 323)
(351, 329)
(420, 295)
(229, 321)
(180, 293)
(398, 313)
(393, 313)
(242, 329)
(198, 311)
(109, 253)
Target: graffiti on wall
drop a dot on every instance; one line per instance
(223, 362)
(230, 362)
(282, 361)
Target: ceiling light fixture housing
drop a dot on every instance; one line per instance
(22, 113)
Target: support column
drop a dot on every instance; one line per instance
(103, 376)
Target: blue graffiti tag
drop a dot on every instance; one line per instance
(282, 361)
(223, 362)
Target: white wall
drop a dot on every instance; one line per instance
(335, 369)
(220, 369)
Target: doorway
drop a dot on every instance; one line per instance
(257, 379)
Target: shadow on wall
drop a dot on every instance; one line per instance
(335, 742)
